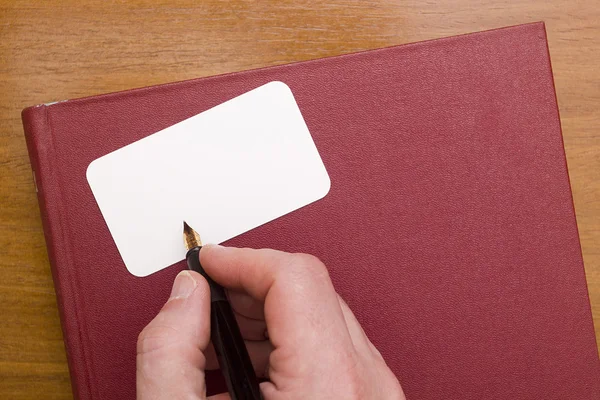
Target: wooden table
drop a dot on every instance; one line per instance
(68, 50)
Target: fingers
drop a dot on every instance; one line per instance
(357, 334)
(300, 304)
(222, 396)
(359, 337)
(246, 305)
(259, 353)
(250, 270)
(251, 329)
(170, 362)
(249, 314)
(318, 347)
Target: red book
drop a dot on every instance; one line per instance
(449, 228)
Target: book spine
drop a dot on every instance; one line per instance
(38, 135)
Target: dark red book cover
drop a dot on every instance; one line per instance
(449, 228)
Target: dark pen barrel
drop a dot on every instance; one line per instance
(227, 339)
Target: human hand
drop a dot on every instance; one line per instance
(315, 348)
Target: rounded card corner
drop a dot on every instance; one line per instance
(89, 171)
(137, 273)
(326, 187)
(281, 85)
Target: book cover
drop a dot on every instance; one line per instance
(449, 228)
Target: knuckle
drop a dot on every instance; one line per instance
(308, 263)
(306, 270)
(152, 338)
(355, 384)
(305, 275)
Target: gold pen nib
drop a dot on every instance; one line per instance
(191, 238)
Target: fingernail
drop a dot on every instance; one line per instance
(213, 246)
(183, 286)
(210, 248)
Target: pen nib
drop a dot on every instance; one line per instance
(191, 238)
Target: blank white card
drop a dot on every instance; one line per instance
(225, 171)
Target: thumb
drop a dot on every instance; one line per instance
(170, 350)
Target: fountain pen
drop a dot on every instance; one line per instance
(225, 334)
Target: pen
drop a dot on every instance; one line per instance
(225, 334)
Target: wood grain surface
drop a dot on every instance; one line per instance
(66, 49)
